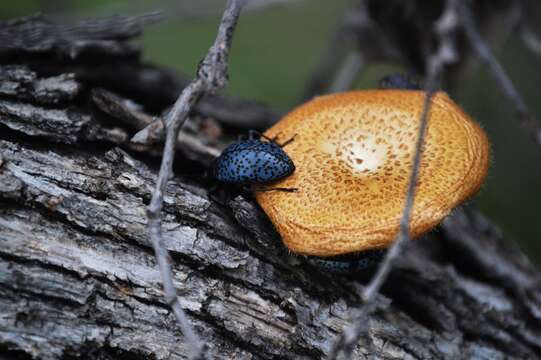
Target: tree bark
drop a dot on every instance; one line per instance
(77, 274)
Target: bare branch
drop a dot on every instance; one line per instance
(446, 27)
(131, 114)
(150, 134)
(339, 46)
(358, 32)
(485, 54)
(211, 77)
(531, 40)
(349, 72)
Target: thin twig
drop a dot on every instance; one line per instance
(531, 40)
(211, 77)
(129, 114)
(339, 46)
(485, 54)
(446, 27)
(348, 73)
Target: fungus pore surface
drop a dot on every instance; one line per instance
(353, 154)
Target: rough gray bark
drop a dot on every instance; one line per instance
(78, 278)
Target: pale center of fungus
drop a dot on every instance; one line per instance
(362, 153)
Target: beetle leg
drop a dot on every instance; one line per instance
(275, 140)
(258, 189)
(272, 139)
(288, 141)
(253, 133)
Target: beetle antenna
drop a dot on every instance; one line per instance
(290, 190)
(253, 133)
(288, 141)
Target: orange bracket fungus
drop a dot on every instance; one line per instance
(353, 154)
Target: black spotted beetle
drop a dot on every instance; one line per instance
(253, 161)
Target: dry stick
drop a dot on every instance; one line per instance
(531, 40)
(497, 71)
(338, 48)
(211, 77)
(359, 325)
(349, 73)
(332, 56)
(446, 27)
(377, 281)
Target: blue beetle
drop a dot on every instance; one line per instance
(350, 263)
(399, 81)
(253, 162)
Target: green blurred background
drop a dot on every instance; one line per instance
(277, 46)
